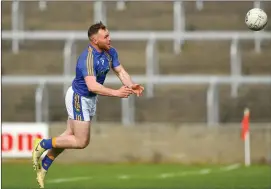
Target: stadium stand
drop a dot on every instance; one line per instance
(171, 103)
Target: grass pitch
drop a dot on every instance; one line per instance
(138, 176)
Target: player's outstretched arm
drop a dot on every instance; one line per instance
(99, 89)
(123, 76)
(127, 81)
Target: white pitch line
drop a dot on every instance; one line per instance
(166, 175)
(204, 171)
(186, 173)
(61, 180)
(231, 167)
(179, 174)
(124, 177)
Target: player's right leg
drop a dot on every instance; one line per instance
(79, 112)
(79, 140)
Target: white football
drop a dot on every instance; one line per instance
(256, 19)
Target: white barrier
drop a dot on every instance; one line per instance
(151, 53)
(212, 101)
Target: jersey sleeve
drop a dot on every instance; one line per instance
(115, 57)
(87, 65)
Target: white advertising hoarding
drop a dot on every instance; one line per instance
(17, 138)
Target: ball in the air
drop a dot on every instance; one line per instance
(256, 19)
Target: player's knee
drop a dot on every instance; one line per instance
(83, 143)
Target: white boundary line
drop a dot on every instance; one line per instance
(166, 175)
(161, 176)
(185, 173)
(204, 171)
(61, 180)
(230, 167)
(124, 177)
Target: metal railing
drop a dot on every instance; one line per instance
(99, 14)
(69, 54)
(42, 103)
(128, 106)
(152, 62)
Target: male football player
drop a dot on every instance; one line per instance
(92, 67)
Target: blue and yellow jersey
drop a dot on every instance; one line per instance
(93, 63)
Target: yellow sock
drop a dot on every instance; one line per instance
(54, 142)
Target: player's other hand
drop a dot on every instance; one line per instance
(137, 89)
(124, 92)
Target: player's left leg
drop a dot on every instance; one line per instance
(46, 162)
(38, 149)
(50, 157)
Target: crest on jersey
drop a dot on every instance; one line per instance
(109, 58)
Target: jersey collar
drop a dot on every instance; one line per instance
(95, 51)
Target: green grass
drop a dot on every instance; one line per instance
(139, 176)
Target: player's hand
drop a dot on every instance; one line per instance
(124, 92)
(137, 89)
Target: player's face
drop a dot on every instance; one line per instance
(103, 39)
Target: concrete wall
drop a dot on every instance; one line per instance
(170, 143)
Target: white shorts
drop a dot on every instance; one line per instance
(79, 107)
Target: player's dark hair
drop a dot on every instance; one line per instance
(93, 29)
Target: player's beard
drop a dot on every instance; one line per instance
(104, 47)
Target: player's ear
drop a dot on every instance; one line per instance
(94, 39)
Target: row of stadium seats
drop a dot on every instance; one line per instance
(182, 103)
